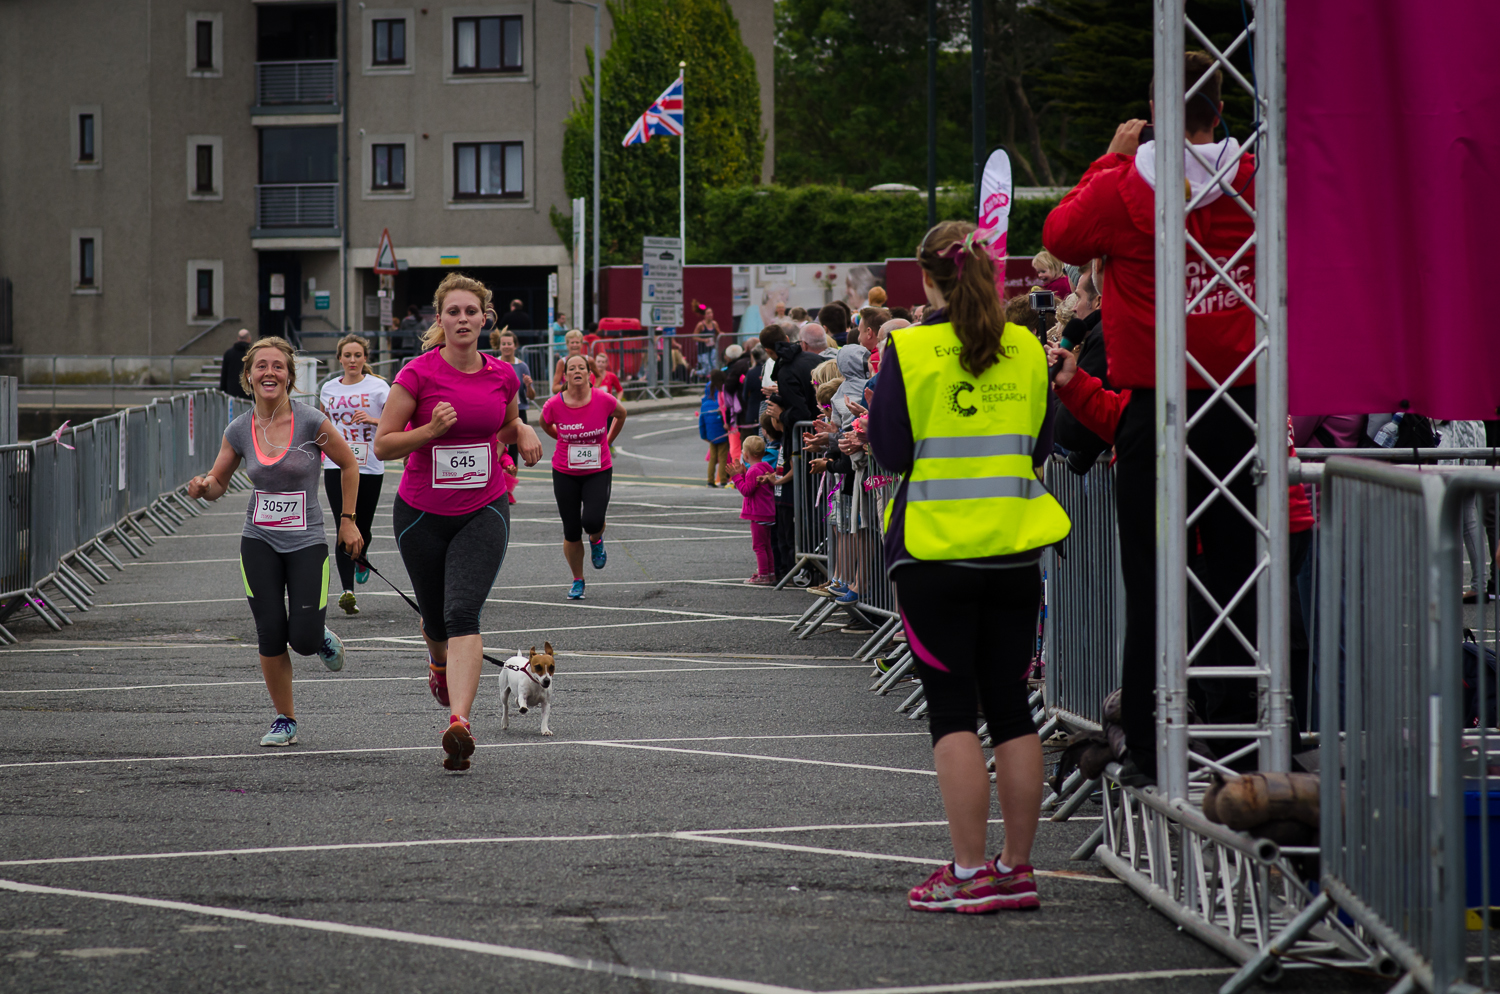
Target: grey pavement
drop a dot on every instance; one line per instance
(722, 807)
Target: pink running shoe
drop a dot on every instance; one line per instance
(458, 744)
(437, 681)
(985, 892)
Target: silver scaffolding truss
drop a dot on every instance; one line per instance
(1232, 892)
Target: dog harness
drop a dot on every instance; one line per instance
(527, 670)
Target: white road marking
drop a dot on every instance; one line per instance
(663, 431)
(1040, 982)
(290, 754)
(568, 675)
(621, 452)
(769, 759)
(417, 939)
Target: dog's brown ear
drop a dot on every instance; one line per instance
(531, 653)
(547, 648)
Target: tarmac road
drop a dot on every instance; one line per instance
(722, 807)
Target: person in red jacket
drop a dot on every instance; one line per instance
(1111, 214)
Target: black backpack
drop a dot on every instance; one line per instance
(1415, 432)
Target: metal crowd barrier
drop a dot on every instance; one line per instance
(810, 520)
(67, 494)
(1408, 751)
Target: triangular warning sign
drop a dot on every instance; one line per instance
(385, 256)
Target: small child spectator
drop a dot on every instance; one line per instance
(604, 379)
(712, 430)
(754, 484)
(784, 552)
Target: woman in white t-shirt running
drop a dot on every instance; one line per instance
(353, 403)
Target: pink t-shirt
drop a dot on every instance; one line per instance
(582, 433)
(459, 472)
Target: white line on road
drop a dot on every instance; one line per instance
(621, 452)
(663, 431)
(769, 759)
(417, 939)
(1039, 982)
(569, 675)
(293, 754)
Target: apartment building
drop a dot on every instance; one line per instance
(193, 167)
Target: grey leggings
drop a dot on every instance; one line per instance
(452, 561)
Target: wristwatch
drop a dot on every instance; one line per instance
(347, 515)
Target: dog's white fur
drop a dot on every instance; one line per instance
(520, 679)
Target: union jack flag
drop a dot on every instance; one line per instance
(662, 118)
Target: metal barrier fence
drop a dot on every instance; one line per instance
(1407, 846)
(66, 494)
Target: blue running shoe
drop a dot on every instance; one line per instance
(361, 576)
(576, 592)
(837, 587)
(846, 596)
(331, 651)
(596, 550)
(283, 732)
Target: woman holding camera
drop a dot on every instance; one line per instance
(961, 411)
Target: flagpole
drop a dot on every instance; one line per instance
(682, 168)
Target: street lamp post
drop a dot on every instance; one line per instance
(597, 83)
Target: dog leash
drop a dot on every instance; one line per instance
(363, 563)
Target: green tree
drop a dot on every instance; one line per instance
(722, 119)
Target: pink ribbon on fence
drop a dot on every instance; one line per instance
(876, 482)
(57, 436)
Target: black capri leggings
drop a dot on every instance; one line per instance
(272, 579)
(973, 632)
(364, 515)
(452, 560)
(582, 501)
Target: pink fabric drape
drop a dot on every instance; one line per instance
(1393, 199)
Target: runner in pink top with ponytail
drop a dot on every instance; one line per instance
(585, 422)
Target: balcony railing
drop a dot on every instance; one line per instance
(297, 205)
(291, 83)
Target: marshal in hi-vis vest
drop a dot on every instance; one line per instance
(972, 491)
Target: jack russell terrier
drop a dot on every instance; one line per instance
(528, 678)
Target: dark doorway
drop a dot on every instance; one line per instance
(528, 284)
(293, 32)
(288, 321)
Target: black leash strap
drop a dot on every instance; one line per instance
(366, 564)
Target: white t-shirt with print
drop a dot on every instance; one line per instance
(340, 402)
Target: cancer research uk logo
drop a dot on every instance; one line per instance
(957, 391)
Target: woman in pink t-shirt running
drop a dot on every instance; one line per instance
(585, 421)
(450, 412)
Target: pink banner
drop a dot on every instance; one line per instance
(1393, 196)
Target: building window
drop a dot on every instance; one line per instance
(487, 169)
(390, 43)
(205, 307)
(203, 47)
(203, 171)
(390, 167)
(85, 138)
(486, 44)
(86, 262)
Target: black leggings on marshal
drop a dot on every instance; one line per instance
(582, 501)
(364, 515)
(973, 632)
(272, 579)
(452, 560)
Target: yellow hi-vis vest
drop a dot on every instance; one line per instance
(972, 491)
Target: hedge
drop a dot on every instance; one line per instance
(772, 224)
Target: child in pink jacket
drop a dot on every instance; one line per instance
(759, 508)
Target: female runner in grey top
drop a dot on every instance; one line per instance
(283, 552)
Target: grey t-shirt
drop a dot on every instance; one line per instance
(284, 511)
(522, 370)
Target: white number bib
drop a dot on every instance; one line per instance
(460, 467)
(583, 456)
(286, 511)
(361, 451)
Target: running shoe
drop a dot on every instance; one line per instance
(458, 744)
(846, 596)
(575, 592)
(836, 587)
(332, 650)
(283, 732)
(986, 891)
(437, 681)
(361, 576)
(596, 552)
(346, 601)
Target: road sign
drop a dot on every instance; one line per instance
(385, 256)
(661, 281)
